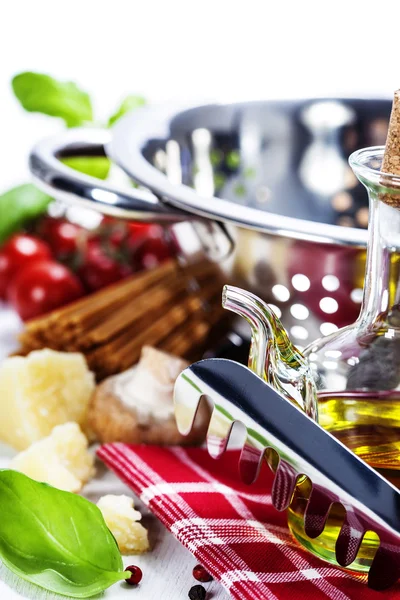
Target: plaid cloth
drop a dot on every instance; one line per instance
(231, 528)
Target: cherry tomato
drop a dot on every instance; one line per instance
(5, 274)
(122, 234)
(153, 250)
(100, 270)
(141, 230)
(17, 253)
(42, 287)
(118, 236)
(106, 220)
(112, 232)
(62, 236)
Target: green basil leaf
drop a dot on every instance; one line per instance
(96, 166)
(18, 205)
(128, 104)
(41, 93)
(56, 539)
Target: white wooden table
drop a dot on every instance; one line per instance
(167, 569)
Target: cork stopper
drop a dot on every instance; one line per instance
(391, 157)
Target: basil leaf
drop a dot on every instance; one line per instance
(56, 539)
(18, 205)
(128, 104)
(41, 93)
(96, 166)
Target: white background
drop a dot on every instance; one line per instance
(192, 50)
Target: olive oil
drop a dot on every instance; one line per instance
(366, 422)
(324, 545)
(369, 424)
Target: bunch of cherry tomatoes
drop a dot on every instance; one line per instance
(59, 261)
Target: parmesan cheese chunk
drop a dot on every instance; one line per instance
(61, 459)
(122, 520)
(38, 392)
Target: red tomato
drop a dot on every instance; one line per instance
(100, 270)
(5, 274)
(122, 234)
(140, 230)
(153, 250)
(17, 253)
(117, 237)
(42, 287)
(62, 236)
(106, 220)
(113, 232)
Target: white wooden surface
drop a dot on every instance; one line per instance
(167, 569)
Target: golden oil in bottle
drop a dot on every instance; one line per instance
(324, 545)
(368, 423)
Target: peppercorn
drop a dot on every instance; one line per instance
(197, 592)
(136, 576)
(201, 574)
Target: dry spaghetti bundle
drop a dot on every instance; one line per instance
(171, 307)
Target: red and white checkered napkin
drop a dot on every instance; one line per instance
(231, 528)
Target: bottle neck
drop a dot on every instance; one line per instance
(381, 300)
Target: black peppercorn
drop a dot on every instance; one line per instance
(197, 592)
